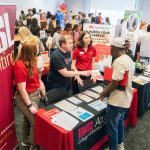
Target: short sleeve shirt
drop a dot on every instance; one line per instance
(21, 75)
(58, 61)
(84, 59)
(120, 66)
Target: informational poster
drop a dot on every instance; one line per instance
(130, 27)
(101, 36)
(8, 140)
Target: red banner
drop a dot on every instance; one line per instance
(8, 140)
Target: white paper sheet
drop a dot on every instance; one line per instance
(92, 94)
(74, 100)
(144, 78)
(97, 89)
(65, 105)
(98, 105)
(141, 80)
(85, 97)
(81, 114)
(64, 120)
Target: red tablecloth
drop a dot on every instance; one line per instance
(52, 137)
(132, 118)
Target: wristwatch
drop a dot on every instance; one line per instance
(29, 105)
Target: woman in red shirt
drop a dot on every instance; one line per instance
(27, 95)
(83, 57)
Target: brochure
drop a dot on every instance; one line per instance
(98, 105)
(64, 120)
(81, 114)
(74, 100)
(66, 106)
(84, 97)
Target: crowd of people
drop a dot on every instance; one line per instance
(72, 58)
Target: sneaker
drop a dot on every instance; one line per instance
(25, 144)
(121, 146)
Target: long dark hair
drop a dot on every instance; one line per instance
(80, 43)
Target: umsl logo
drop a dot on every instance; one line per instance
(85, 129)
(5, 37)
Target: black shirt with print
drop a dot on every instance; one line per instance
(58, 61)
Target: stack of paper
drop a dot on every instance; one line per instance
(66, 106)
(147, 74)
(64, 120)
(141, 79)
(98, 105)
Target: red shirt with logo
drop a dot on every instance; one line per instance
(84, 59)
(21, 75)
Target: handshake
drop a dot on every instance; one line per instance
(93, 73)
(86, 73)
(89, 72)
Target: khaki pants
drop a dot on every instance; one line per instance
(28, 121)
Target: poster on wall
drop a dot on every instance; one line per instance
(101, 36)
(131, 26)
(8, 140)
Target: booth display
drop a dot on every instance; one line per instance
(8, 139)
(89, 126)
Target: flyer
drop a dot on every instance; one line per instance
(66, 106)
(97, 89)
(64, 120)
(48, 114)
(92, 94)
(84, 97)
(98, 105)
(74, 100)
(81, 114)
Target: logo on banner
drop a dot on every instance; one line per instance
(8, 139)
(5, 42)
(90, 128)
(5, 37)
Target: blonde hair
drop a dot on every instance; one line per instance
(26, 36)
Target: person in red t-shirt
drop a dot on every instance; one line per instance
(83, 58)
(27, 94)
(99, 19)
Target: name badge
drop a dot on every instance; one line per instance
(81, 53)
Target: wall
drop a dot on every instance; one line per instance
(113, 4)
(78, 5)
(143, 6)
(50, 5)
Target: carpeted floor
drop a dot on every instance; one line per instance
(135, 138)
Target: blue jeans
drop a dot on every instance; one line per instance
(115, 125)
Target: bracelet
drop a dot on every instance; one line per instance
(29, 105)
